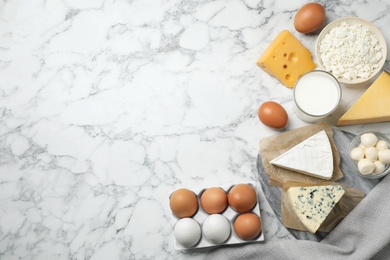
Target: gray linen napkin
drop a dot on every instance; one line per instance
(363, 234)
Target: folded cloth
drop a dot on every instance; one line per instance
(363, 234)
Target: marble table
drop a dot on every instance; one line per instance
(107, 106)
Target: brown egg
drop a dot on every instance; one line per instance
(309, 18)
(273, 115)
(213, 200)
(247, 226)
(183, 203)
(242, 197)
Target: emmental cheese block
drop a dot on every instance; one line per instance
(313, 204)
(373, 106)
(286, 59)
(312, 156)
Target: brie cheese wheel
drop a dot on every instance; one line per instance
(313, 204)
(312, 156)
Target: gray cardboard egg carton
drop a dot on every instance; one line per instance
(229, 213)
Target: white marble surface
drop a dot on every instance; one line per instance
(107, 106)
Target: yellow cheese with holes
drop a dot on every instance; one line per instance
(373, 106)
(286, 59)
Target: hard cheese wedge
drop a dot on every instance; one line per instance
(314, 203)
(286, 59)
(313, 157)
(373, 106)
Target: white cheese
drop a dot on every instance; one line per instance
(375, 154)
(357, 153)
(384, 156)
(366, 166)
(381, 145)
(314, 203)
(313, 157)
(368, 139)
(379, 167)
(350, 51)
(371, 153)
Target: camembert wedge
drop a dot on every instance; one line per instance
(313, 204)
(373, 106)
(312, 156)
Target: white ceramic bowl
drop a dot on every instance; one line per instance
(351, 21)
(354, 164)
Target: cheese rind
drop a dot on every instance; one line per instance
(286, 59)
(373, 106)
(313, 204)
(312, 156)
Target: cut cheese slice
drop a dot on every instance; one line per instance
(373, 106)
(286, 59)
(312, 156)
(314, 203)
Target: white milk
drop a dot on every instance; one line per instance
(316, 94)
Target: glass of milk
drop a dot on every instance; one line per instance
(316, 95)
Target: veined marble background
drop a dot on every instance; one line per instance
(107, 106)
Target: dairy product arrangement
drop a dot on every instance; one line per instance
(349, 51)
(218, 216)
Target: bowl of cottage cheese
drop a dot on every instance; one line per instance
(352, 49)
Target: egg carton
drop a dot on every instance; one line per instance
(228, 213)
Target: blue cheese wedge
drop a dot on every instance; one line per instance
(312, 156)
(314, 203)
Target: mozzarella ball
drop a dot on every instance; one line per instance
(366, 166)
(371, 153)
(384, 156)
(381, 145)
(368, 139)
(379, 167)
(357, 153)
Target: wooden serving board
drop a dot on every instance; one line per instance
(273, 194)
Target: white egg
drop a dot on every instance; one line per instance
(368, 139)
(216, 228)
(379, 167)
(371, 153)
(187, 232)
(366, 166)
(381, 145)
(357, 153)
(384, 156)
